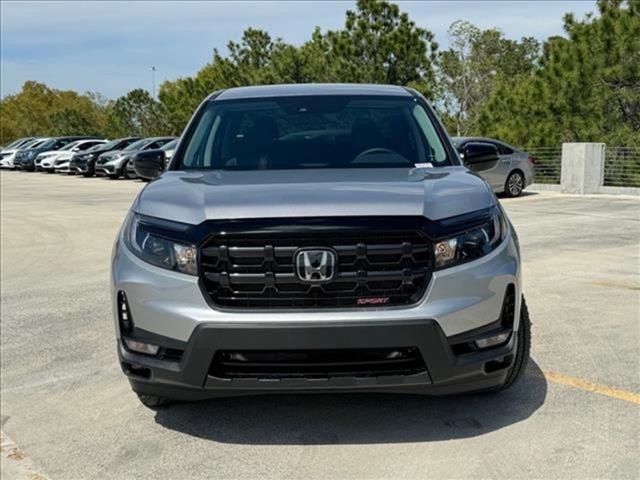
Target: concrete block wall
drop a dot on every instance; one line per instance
(582, 168)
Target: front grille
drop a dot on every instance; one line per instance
(270, 364)
(257, 270)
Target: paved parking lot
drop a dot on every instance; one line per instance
(66, 405)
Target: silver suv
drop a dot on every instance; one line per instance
(320, 238)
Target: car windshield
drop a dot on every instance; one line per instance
(169, 146)
(36, 143)
(15, 143)
(99, 146)
(139, 145)
(314, 132)
(71, 145)
(106, 146)
(47, 144)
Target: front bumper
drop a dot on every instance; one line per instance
(105, 169)
(169, 309)
(192, 376)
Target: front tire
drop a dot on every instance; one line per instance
(522, 351)
(153, 401)
(514, 185)
(127, 174)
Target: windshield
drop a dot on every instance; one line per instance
(48, 144)
(100, 146)
(106, 146)
(139, 145)
(35, 143)
(314, 132)
(169, 146)
(15, 143)
(71, 145)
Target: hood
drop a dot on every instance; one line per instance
(110, 155)
(48, 152)
(193, 197)
(66, 155)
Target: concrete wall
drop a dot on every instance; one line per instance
(582, 172)
(582, 167)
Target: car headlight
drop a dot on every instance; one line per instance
(476, 242)
(149, 244)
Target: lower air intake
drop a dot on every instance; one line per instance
(317, 363)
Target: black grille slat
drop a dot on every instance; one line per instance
(256, 270)
(251, 278)
(317, 363)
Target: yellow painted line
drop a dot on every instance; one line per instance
(588, 386)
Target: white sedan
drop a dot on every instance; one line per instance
(48, 161)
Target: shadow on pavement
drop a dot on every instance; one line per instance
(315, 419)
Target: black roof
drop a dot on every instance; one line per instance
(304, 89)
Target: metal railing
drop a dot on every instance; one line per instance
(548, 162)
(622, 167)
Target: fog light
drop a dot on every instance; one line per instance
(492, 341)
(141, 347)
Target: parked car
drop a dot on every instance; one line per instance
(85, 163)
(25, 158)
(7, 156)
(167, 148)
(114, 164)
(60, 162)
(321, 238)
(45, 161)
(511, 174)
(17, 143)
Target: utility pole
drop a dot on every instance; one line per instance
(153, 80)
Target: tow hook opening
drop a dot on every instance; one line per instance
(135, 370)
(499, 364)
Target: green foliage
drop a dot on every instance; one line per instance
(378, 44)
(477, 61)
(135, 113)
(586, 88)
(40, 110)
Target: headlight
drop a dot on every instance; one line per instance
(476, 242)
(154, 248)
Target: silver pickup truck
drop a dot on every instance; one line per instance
(323, 238)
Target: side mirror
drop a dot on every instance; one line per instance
(149, 164)
(479, 156)
(75, 149)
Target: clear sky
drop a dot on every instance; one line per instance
(110, 46)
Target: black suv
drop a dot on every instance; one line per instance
(85, 162)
